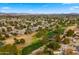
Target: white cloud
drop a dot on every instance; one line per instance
(74, 7)
(67, 3)
(71, 8)
(30, 10)
(5, 8)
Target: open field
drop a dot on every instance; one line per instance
(39, 34)
(28, 40)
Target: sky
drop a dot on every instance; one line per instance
(39, 8)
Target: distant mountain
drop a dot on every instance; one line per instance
(16, 14)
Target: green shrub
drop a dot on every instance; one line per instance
(2, 38)
(16, 41)
(66, 41)
(57, 38)
(48, 51)
(22, 41)
(8, 50)
(70, 32)
(54, 45)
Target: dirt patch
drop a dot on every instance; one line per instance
(28, 40)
